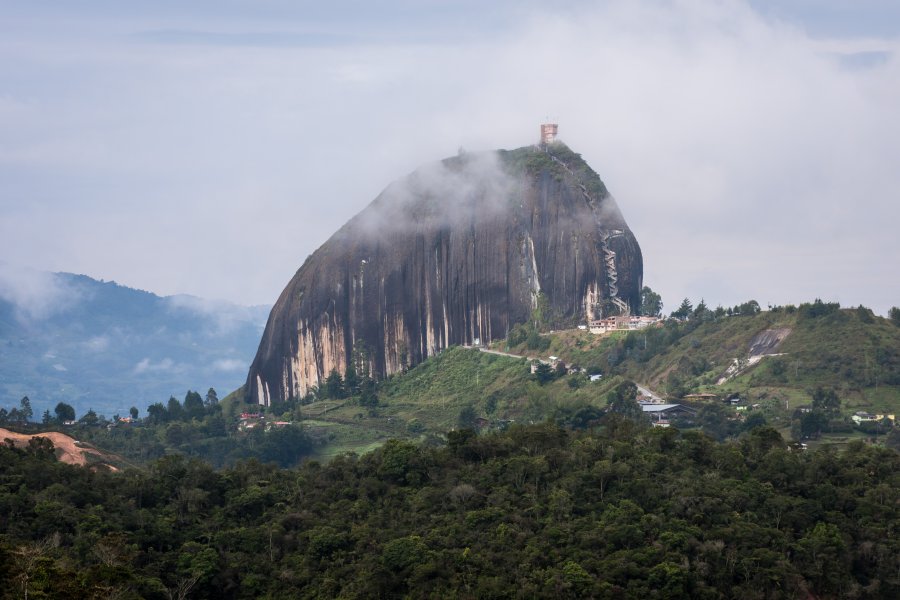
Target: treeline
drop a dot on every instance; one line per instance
(194, 407)
(203, 429)
(616, 511)
(686, 311)
(17, 415)
(199, 427)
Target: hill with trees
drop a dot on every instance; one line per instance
(821, 365)
(615, 510)
(480, 474)
(779, 367)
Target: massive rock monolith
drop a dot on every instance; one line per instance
(455, 253)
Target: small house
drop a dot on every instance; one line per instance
(867, 417)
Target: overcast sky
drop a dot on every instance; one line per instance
(209, 147)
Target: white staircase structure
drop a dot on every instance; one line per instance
(609, 256)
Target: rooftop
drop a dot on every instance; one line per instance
(658, 407)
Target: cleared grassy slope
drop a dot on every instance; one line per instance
(428, 400)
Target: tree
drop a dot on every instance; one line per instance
(157, 414)
(561, 369)
(175, 434)
(826, 401)
(351, 380)
(778, 367)
(133, 411)
(25, 411)
(702, 312)
(543, 373)
(713, 418)
(403, 553)
(675, 385)
(822, 557)
(683, 311)
(810, 425)
(893, 439)
(751, 307)
(334, 386)
(193, 405)
(540, 316)
(367, 395)
(622, 400)
(211, 397)
(894, 315)
(817, 309)
(89, 418)
(865, 314)
(651, 302)
(518, 334)
(585, 417)
(757, 419)
(46, 419)
(467, 417)
(64, 412)
(174, 409)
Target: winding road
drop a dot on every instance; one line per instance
(644, 390)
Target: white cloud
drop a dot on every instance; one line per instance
(225, 316)
(146, 365)
(35, 294)
(230, 364)
(98, 343)
(749, 158)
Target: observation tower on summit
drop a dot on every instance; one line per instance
(548, 133)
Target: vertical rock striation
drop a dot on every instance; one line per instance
(456, 252)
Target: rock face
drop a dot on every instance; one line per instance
(455, 253)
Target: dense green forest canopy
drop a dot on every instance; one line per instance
(616, 510)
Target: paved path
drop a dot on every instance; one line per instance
(642, 389)
(498, 353)
(647, 392)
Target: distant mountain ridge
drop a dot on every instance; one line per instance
(97, 344)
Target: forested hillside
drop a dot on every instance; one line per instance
(772, 365)
(818, 355)
(849, 349)
(453, 491)
(773, 360)
(202, 428)
(616, 511)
